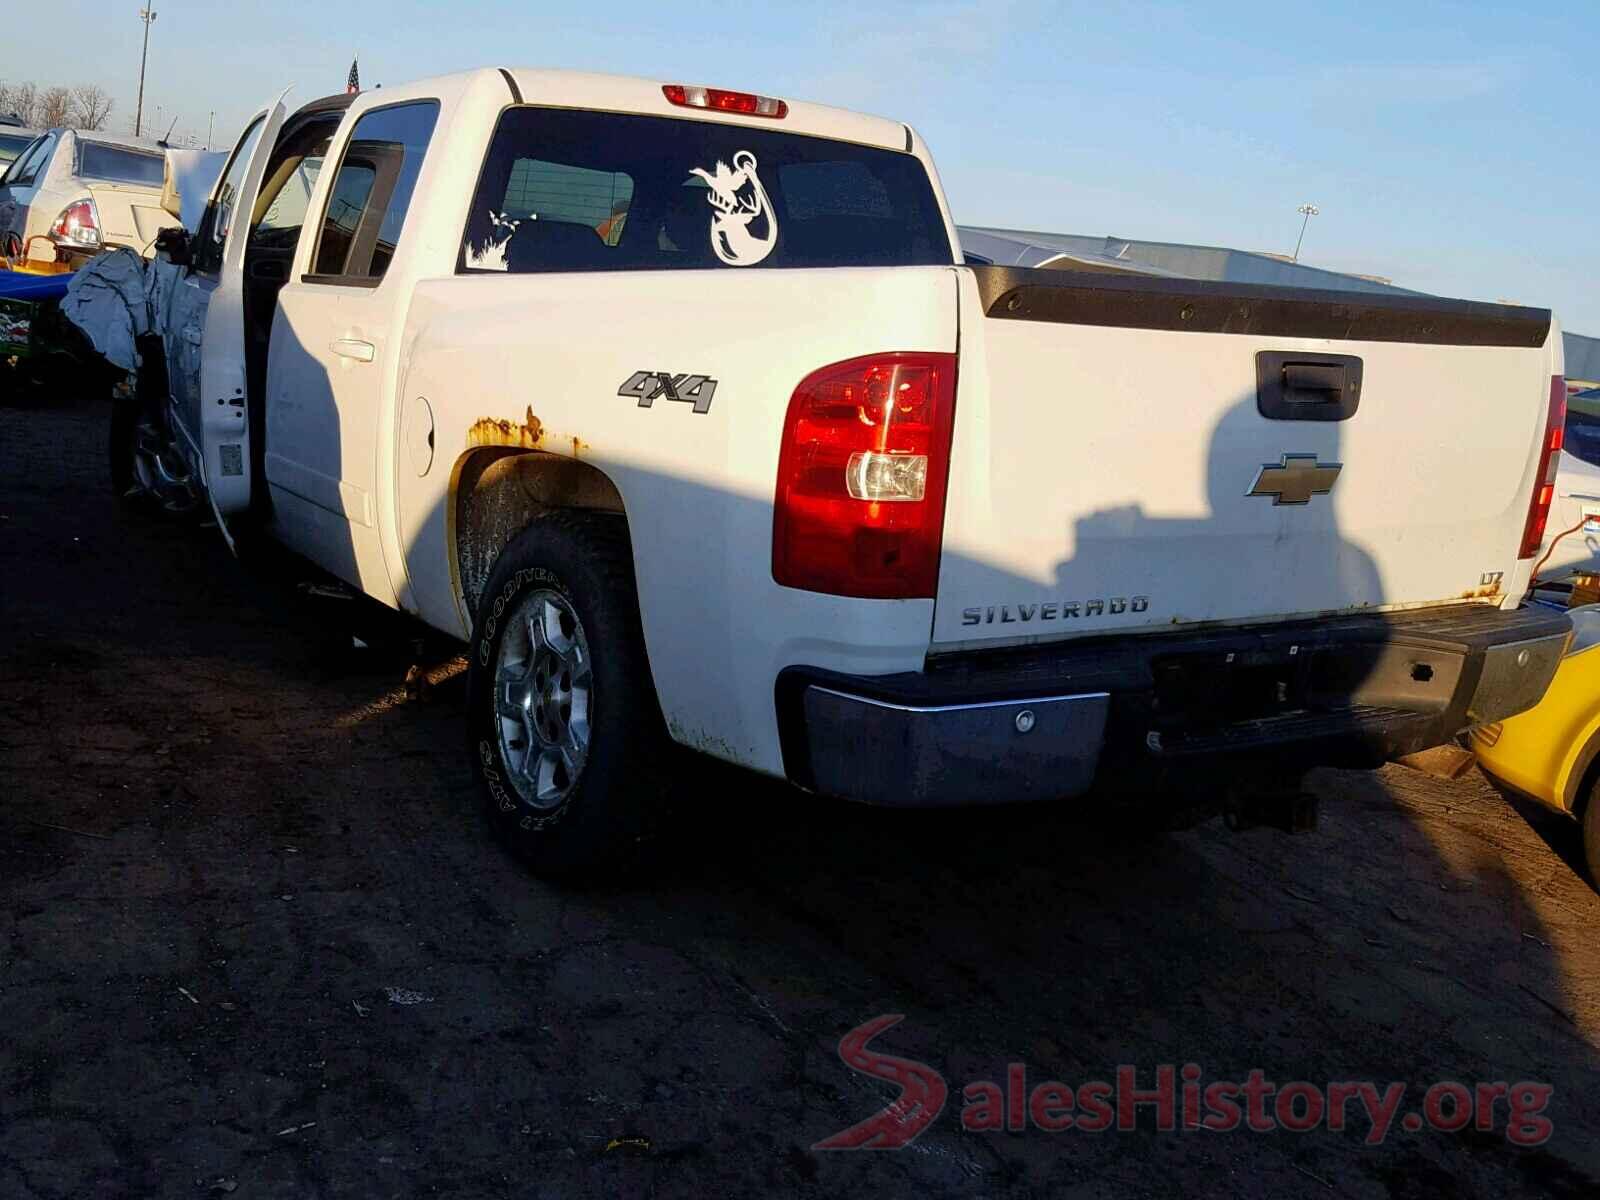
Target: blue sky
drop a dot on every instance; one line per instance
(1451, 147)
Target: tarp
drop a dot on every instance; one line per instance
(117, 299)
(190, 176)
(20, 285)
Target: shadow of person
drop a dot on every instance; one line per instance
(1199, 538)
(1266, 546)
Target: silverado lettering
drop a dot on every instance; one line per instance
(1065, 610)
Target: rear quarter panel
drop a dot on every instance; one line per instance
(53, 187)
(537, 360)
(130, 215)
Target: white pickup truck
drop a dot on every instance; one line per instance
(681, 408)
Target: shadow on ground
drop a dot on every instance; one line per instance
(253, 936)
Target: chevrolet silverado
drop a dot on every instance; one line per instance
(681, 408)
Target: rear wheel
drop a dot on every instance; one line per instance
(1591, 835)
(567, 736)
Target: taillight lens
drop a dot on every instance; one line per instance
(746, 104)
(859, 509)
(78, 224)
(1544, 488)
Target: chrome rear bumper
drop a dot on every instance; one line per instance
(1048, 721)
(1033, 748)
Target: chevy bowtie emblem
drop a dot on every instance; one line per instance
(1295, 479)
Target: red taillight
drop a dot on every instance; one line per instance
(746, 104)
(861, 477)
(1544, 487)
(77, 225)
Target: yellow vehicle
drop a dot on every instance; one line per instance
(1551, 753)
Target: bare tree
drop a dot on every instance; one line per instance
(19, 100)
(54, 107)
(91, 106)
(86, 106)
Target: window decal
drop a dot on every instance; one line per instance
(492, 255)
(743, 229)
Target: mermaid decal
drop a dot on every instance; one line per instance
(488, 251)
(743, 229)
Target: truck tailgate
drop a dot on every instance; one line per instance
(1149, 453)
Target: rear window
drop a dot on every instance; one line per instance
(541, 190)
(28, 164)
(12, 145)
(563, 190)
(1583, 427)
(117, 164)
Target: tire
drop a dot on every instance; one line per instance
(573, 786)
(1591, 835)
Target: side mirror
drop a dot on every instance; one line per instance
(174, 243)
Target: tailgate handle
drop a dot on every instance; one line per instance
(1295, 386)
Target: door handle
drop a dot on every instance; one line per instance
(353, 348)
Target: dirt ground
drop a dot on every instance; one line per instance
(254, 939)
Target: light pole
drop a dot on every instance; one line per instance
(210, 125)
(1307, 211)
(148, 16)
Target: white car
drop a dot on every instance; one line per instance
(681, 408)
(1572, 536)
(71, 194)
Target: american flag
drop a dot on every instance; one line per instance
(353, 84)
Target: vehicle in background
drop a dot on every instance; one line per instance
(682, 407)
(1551, 753)
(1572, 539)
(71, 194)
(13, 141)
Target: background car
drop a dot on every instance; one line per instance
(13, 141)
(1551, 753)
(71, 194)
(1577, 498)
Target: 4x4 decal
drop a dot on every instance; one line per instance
(647, 386)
